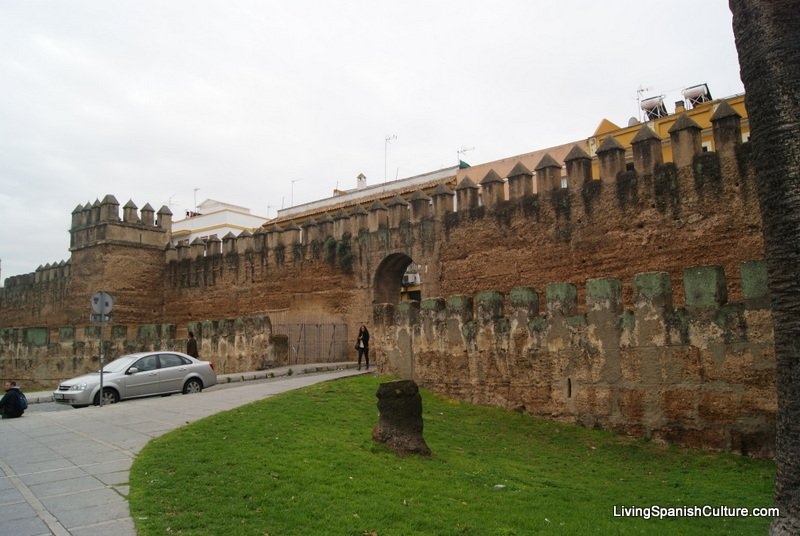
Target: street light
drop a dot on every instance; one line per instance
(387, 141)
(291, 199)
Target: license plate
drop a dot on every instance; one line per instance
(58, 396)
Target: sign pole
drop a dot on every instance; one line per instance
(102, 302)
(102, 324)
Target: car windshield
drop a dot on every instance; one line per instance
(118, 365)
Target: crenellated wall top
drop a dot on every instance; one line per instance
(101, 222)
(548, 179)
(704, 288)
(50, 272)
(108, 211)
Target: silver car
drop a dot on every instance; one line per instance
(138, 375)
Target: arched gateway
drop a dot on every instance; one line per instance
(388, 281)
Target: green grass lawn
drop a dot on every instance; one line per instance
(304, 463)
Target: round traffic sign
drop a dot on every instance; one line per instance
(102, 302)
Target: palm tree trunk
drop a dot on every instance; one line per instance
(767, 36)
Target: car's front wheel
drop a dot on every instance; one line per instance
(192, 385)
(110, 396)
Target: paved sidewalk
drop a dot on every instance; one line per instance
(66, 472)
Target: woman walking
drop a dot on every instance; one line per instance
(362, 345)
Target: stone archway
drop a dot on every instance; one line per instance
(389, 278)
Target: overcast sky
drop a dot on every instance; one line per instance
(261, 103)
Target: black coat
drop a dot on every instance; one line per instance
(191, 348)
(10, 405)
(363, 336)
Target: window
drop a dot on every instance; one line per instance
(171, 360)
(146, 363)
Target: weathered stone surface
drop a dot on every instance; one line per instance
(400, 424)
(651, 371)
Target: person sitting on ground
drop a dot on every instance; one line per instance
(11, 404)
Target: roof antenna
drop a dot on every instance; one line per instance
(639, 93)
(461, 152)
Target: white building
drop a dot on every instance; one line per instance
(214, 219)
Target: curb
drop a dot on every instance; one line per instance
(281, 372)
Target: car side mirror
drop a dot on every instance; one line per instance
(133, 370)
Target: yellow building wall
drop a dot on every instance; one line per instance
(700, 114)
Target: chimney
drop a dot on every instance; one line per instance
(361, 181)
(680, 107)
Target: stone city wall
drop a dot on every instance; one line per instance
(556, 222)
(700, 375)
(41, 357)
